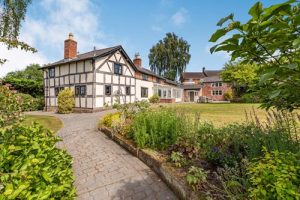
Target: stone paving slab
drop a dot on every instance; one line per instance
(103, 169)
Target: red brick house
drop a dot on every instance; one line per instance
(204, 86)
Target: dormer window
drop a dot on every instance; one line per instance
(117, 69)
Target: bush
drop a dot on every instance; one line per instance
(10, 107)
(228, 95)
(29, 103)
(110, 120)
(156, 129)
(31, 166)
(275, 176)
(154, 99)
(66, 101)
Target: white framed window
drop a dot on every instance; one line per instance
(117, 69)
(144, 92)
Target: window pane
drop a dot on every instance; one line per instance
(107, 90)
(82, 90)
(127, 90)
(117, 68)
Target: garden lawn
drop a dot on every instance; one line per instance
(49, 122)
(221, 114)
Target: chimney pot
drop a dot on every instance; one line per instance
(137, 60)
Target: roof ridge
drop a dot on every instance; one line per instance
(113, 47)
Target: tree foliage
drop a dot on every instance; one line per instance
(169, 56)
(271, 38)
(242, 76)
(28, 81)
(12, 13)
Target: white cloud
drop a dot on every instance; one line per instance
(48, 30)
(156, 28)
(17, 59)
(180, 17)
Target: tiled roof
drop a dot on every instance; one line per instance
(88, 55)
(192, 75)
(211, 79)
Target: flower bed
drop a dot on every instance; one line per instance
(198, 160)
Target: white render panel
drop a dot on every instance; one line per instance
(105, 68)
(118, 55)
(67, 80)
(56, 71)
(61, 81)
(107, 78)
(122, 80)
(88, 66)
(99, 78)
(108, 100)
(115, 79)
(56, 81)
(52, 93)
(71, 79)
(89, 90)
(51, 81)
(76, 78)
(80, 67)
(133, 81)
(89, 102)
(52, 102)
(122, 60)
(113, 58)
(89, 77)
(64, 69)
(72, 68)
(99, 89)
(114, 89)
(132, 90)
(82, 78)
(99, 62)
(77, 102)
(99, 102)
(45, 73)
(83, 102)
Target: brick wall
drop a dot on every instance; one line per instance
(207, 91)
(70, 50)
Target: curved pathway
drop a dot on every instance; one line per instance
(104, 170)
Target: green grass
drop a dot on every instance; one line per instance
(49, 122)
(221, 114)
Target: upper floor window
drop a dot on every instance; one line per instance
(51, 72)
(217, 84)
(145, 77)
(117, 69)
(144, 92)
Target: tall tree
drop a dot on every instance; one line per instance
(270, 38)
(169, 57)
(243, 76)
(12, 13)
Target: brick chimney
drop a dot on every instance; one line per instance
(137, 60)
(70, 47)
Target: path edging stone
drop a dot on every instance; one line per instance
(180, 188)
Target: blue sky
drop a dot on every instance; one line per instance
(136, 25)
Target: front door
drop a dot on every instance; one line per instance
(192, 96)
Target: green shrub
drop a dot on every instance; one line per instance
(195, 176)
(66, 101)
(230, 144)
(31, 167)
(228, 95)
(110, 120)
(275, 176)
(154, 99)
(156, 129)
(178, 159)
(29, 103)
(10, 107)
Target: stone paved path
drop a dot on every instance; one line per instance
(104, 170)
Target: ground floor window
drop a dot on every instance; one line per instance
(217, 92)
(107, 89)
(128, 90)
(80, 90)
(58, 89)
(144, 92)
